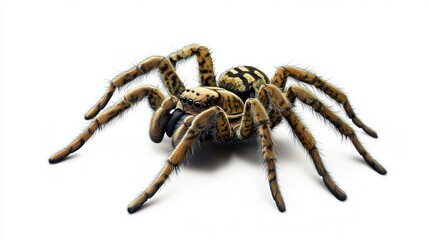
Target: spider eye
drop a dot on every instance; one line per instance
(197, 104)
(183, 99)
(190, 101)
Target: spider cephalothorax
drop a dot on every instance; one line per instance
(244, 103)
(197, 99)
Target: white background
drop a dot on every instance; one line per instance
(57, 58)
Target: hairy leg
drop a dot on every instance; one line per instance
(192, 135)
(155, 99)
(280, 77)
(255, 115)
(169, 77)
(222, 133)
(310, 99)
(180, 132)
(204, 59)
(279, 101)
(273, 113)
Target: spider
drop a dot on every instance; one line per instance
(244, 104)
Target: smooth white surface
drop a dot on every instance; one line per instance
(57, 58)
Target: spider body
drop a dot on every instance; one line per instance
(242, 104)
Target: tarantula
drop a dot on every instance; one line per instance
(244, 103)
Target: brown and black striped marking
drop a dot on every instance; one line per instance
(245, 103)
(244, 81)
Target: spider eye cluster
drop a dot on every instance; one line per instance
(190, 102)
(196, 104)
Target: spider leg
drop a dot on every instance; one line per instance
(169, 77)
(279, 101)
(255, 115)
(155, 99)
(310, 99)
(193, 134)
(282, 73)
(222, 133)
(273, 113)
(204, 59)
(180, 132)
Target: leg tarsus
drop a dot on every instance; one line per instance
(137, 204)
(54, 160)
(275, 193)
(334, 189)
(365, 128)
(367, 157)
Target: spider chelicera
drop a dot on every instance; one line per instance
(243, 104)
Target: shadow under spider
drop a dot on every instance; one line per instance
(209, 156)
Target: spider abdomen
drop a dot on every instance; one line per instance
(244, 81)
